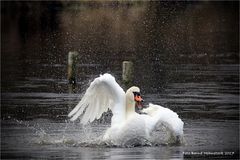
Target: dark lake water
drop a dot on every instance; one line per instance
(177, 64)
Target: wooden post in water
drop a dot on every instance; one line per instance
(72, 67)
(127, 73)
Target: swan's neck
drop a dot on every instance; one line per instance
(130, 108)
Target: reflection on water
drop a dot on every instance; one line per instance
(43, 138)
(185, 56)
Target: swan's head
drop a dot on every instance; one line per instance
(134, 96)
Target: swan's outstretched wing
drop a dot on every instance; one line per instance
(103, 93)
(165, 116)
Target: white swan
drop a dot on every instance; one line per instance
(126, 125)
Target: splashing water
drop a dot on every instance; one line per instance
(42, 138)
(67, 133)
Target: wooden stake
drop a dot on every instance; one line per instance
(72, 67)
(127, 73)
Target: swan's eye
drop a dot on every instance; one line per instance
(136, 94)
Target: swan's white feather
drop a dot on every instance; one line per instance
(165, 116)
(103, 93)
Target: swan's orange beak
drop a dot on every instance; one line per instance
(138, 99)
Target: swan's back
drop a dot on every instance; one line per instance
(165, 116)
